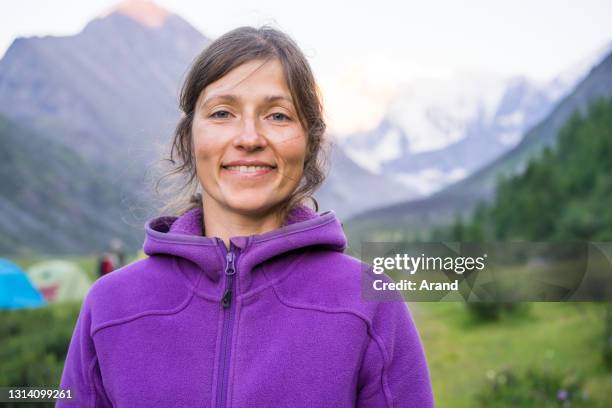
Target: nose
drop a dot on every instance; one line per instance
(250, 137)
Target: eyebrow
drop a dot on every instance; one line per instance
(234, 98)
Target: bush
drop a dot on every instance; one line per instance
(607, 340)
(34, 345)
(490, 311)
(533, 388)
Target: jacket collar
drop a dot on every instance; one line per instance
(182, 237)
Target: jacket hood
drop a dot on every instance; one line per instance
(182, 237)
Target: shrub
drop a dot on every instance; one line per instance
(489, 311)
(532, 388)
(607, 340)
(34, 345)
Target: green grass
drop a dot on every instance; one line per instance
(460, 351)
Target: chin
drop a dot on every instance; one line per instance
(250, 207)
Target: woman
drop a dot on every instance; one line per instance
(247, 298)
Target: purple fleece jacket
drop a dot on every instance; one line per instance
(277, 320)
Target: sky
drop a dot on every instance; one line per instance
(361, 50)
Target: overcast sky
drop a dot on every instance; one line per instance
(383, 41)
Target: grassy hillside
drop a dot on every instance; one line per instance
(52, 201)
(563, 338)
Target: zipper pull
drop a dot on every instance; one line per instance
(229, 269)
(227, 298)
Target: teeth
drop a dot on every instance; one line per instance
(248, 169)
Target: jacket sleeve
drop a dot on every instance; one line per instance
(81, 372)
(394, 371)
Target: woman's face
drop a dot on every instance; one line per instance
(249, 145)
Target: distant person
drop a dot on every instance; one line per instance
(105, 264)
(247, 298)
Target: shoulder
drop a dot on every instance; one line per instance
(336, 281)
(149, 285)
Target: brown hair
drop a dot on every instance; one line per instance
(227, 52)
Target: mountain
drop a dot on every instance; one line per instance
(110, 91)
(350, 189)
(438, 131)
(444, 129)
(563, 195)
(568, 78)
(463, 196)
(45, 208)
(109, 95)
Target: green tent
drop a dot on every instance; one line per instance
(59, 280)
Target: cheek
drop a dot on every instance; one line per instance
(203, 150)
(294, 154)
(205, 147)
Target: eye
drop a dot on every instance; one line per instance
(282, 115)
(214, 114)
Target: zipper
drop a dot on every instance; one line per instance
(228, 322)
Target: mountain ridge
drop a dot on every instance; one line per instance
(462, 197)
(438, 129)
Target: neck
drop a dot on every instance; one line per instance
(223, 223)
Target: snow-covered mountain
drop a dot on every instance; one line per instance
(438, 131)
(567, 79)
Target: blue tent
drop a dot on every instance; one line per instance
(16, 290)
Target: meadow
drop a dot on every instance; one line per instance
(465, 354)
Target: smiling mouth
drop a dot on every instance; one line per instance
(249, 169)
